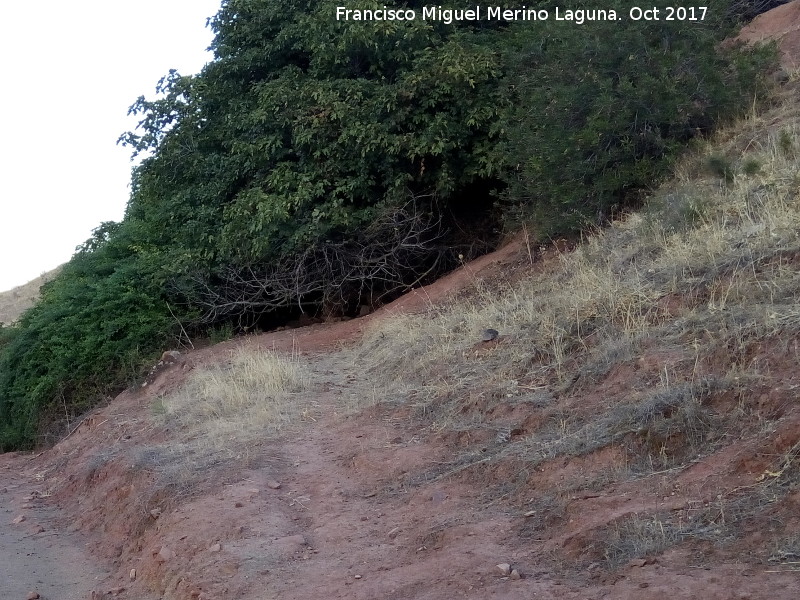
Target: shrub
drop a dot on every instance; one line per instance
(599, 112)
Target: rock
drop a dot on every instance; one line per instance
(155, 513)
(17, 520)
(38, 529)
(132, 575)
(273, 485)
(116, 591)
(356, 577)
(393, 533)
(637, 562)
(291, 544)
(438, 496)
(238, 504)
(504, 568)
(215, 548)
(515, 575)
(33, 596)
(489, 334)
(164, 554)
(170, 356)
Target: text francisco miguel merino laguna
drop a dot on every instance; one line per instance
(479, 13)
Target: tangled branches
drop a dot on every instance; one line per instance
(402, 248)
(748, 9)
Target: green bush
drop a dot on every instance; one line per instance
(89, 335)
(601, 111)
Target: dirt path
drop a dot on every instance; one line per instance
(37, 554)
(374, 536)
(347, 522)
(347, 506)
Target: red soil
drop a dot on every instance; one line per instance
(781, 24)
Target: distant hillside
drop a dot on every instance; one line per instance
(16, 301)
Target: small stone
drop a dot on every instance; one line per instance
(356, 577)
(155, 513)
(116, 591)
(291, 543)
(393, 533)
(504, 568)
(215, 548)
(38, 529)
(489, 335)
(273, 485)
(530, 513)
(132, 575)
(33, 596)
(637, 562)
(238, 504)
(18, 520)
(515, 575)
(164, 554)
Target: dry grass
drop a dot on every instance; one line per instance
(256, 395)
(717, 520)
(696, 282)
(727, 252)
(16, 301)
(638, 536)
(223, 413)
(672, 425)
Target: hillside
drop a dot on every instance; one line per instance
(632, 432)
(19, 299)
(318, 168)
(629, 429)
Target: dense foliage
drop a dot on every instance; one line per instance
(316, 165)
(599, 112)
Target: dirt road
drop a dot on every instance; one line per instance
(38, 555)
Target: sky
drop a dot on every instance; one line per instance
(68, 73)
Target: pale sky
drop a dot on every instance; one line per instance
(68, 73)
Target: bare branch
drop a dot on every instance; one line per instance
(397, 251)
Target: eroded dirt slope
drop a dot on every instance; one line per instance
(374, 505)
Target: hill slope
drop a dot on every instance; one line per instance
(633, 431)
(16, 301)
